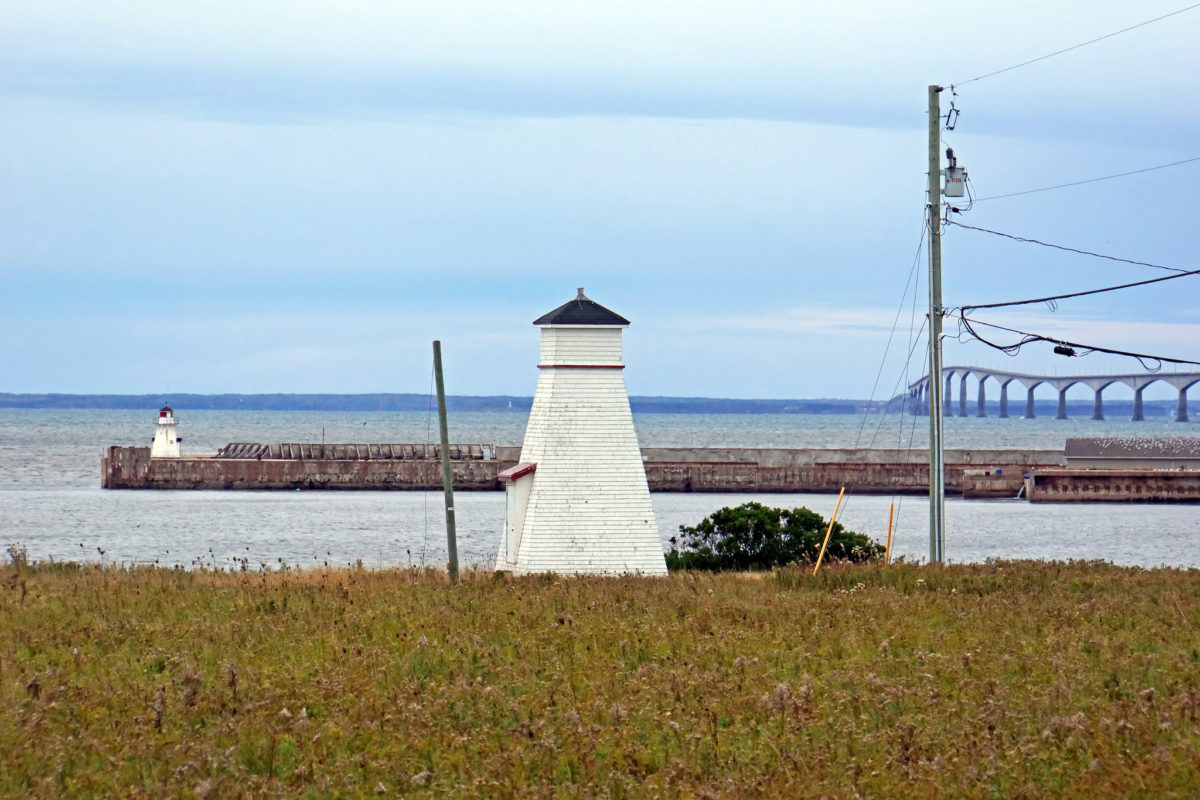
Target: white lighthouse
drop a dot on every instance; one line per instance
(578, 502)
(166, 440)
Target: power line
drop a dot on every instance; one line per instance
(1089, 180)
(1054, 298)
(901, 378)
(1028, 338)
(1077, 46)
(1074, 250)
(892, 334)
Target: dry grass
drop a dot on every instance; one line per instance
(1000, 680)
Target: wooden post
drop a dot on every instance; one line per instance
(447, 472)
(887, 556)
(829, 530)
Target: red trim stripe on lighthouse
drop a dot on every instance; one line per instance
(582, 366)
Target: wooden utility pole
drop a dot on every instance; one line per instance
(447, 472)
(937, 452)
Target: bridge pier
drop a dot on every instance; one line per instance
(921, 391)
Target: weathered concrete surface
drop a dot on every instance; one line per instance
(992, 483)
(861, 477)
(132, 468)
(1113, 486)
(803, 456)
(981, 473)
(667, 470)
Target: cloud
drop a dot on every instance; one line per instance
(307, 93)
(815, 320)
(851, 64)
(301, 195)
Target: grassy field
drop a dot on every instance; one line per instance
(999, 680)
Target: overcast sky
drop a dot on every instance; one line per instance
(300, 196)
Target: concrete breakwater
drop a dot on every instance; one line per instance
(1113, 486)
(973, 473)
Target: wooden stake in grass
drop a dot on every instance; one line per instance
(447, 470)
(887, 556)
(829, 530)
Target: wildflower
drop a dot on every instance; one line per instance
(781, 696)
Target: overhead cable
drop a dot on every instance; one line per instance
(892, 333)
(1089, 180)
(1056, 297)
(1074, 250)
(1151, 362)
(1077, 46)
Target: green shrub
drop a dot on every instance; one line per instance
(753, 536)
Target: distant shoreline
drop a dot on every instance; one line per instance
(416, 402)
(507, 403)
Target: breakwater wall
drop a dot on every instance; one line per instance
(132, 468)
(1113, 486)
(976, 473)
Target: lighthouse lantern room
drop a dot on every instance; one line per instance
(578, 501)
(166, 440)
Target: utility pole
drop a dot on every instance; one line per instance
(937, 453)
(447, 472)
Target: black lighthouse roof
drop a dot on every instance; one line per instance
(581, 311)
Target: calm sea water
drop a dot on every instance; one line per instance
(51, 502)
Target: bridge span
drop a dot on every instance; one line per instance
(918, 392)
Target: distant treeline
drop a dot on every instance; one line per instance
(417, 402)
(640, 405)
(263, 402)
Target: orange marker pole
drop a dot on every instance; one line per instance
(829, 530)
(887, 557)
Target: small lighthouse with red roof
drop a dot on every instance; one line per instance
(166, 440)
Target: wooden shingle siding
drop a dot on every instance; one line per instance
(588, 510)
(583, 346)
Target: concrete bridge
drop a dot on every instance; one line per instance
(918, 392)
